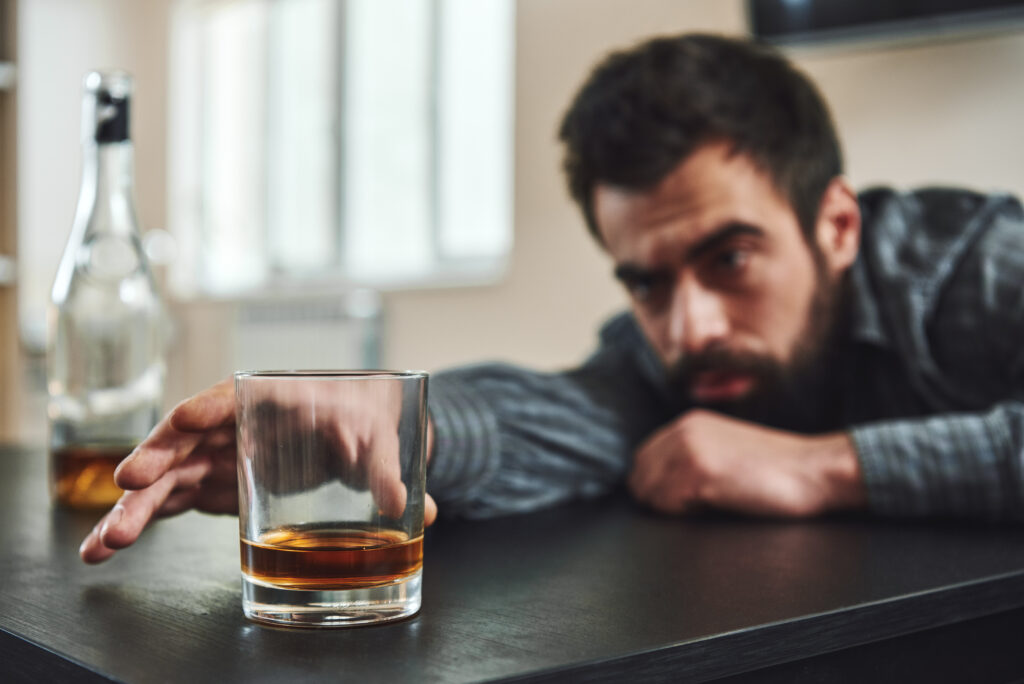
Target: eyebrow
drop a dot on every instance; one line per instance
(629, 274)
(632, 273)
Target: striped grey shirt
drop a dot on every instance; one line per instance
(929, 381)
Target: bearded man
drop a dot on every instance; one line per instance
(792, 348)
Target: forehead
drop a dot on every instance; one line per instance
(709, 189)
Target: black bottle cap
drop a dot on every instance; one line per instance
(107, 106)
(111, 118)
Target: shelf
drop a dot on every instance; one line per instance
(7, 75)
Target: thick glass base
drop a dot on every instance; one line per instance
(264, 602)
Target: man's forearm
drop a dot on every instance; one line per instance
(965, 464)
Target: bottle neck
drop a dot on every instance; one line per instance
(107, 185)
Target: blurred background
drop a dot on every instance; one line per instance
(376, 183)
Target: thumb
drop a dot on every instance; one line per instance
(429, 510)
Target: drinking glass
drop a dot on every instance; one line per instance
(331, 488)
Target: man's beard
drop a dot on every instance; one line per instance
(791, 395)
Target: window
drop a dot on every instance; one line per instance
(361, 141)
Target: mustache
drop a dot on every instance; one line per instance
(684, 372)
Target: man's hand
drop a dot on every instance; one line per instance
(187, 461)
(707, 459)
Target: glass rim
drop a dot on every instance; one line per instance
(344, 374)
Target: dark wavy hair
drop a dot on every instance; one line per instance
(642, 111)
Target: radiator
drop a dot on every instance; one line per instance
(309, 333)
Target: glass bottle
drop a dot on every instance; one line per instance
(105, 362)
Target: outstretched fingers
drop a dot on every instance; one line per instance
(123, 524)
(205, 481)
(206, 499)
(206, 419)
(190, 448)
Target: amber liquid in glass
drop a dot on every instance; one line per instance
(331, 556)
(83, 476)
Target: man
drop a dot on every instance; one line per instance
(791, 350)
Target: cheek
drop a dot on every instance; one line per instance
(781, 308)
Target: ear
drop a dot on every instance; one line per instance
(837, 230)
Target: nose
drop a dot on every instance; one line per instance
(698, 318)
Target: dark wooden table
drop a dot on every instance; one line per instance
(598, 591)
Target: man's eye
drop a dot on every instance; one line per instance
(732, 259)
(639, 290)
(649, 292)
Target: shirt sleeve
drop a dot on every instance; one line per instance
(969, 461)
(509, 440)
(964, 465)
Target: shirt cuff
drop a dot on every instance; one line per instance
(466, 447)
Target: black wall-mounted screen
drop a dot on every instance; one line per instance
(813, 21)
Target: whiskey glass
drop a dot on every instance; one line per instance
(331, 469)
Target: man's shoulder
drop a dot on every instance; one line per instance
(621, 328)
(936, 212)
(919, 231)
